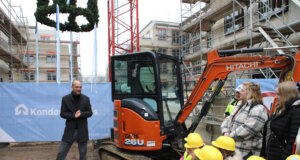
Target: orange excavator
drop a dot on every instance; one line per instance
(149, 109)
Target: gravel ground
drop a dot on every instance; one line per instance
(42, 151)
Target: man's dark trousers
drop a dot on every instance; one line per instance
(65, 146)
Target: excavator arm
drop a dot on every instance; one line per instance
(219, 65)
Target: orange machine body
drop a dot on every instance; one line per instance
(132, 132)
(296, 77)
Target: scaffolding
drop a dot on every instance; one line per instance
(13, 37)
(247, 24)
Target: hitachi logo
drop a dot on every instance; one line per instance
(241, 66)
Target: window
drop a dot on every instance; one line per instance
(163, 68)
(10, 75)
(28, 58)
(134, 77)
(51, 76)
(183, 39)
(28, 75)
(188, 64)
(175, 52)
(51, 59)
(175, 37)
(162, 34)
(195, 63)
(169, 90)
(271, 7)
(197, 70)
(196, 48)
(229, 27)
(45, 37)
(147, 35)
(208, 39)
(162, 50)
(186, 49)
(195, 36)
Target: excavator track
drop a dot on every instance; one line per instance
(108, 151)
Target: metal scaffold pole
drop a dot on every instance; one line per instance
(11, 65)
(37, 52)
(57, 46)
(200, 34)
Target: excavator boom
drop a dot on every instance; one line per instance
(218, 68)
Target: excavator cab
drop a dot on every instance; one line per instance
(147, 91)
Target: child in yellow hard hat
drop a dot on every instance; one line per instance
(207, 153)
(193, 141)
(293, 157)
(226, 145)
(254, 157)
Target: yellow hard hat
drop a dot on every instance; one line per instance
(193, 140)
(254, 157)
(293, 157)
(208, 153)
(224, 142)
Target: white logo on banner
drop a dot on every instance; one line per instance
(21, 109)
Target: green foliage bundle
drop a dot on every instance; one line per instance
(91, 13)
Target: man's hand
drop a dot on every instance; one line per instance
(77, 114)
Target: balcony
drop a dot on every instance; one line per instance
(212, 13)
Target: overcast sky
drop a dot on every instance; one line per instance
(164, 10)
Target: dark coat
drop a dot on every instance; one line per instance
(68, 110)
(284, 128)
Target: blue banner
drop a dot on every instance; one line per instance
(30, 112)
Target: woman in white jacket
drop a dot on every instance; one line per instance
(246, 123)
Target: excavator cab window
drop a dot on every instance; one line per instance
(134, 76)
(153, 78)
(170, 90)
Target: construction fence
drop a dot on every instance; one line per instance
(30, 112)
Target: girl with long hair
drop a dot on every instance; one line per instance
(283, 125)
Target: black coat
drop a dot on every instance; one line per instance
(284, 128)
(68, 110)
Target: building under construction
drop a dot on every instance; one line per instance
(13, 29)
(161, 37)
(232, 24)
(47, 57)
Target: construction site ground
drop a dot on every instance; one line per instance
(42, 151)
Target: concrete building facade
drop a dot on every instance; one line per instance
(48, 58)
(162, 37)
